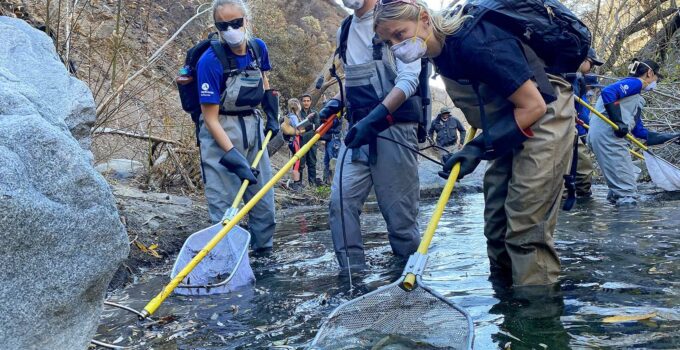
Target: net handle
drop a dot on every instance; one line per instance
(410, 279)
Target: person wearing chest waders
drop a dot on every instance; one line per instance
(378, 91)
(623, 103)
(231, 132)
(527, 141)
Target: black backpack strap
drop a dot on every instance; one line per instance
(228, 61)
(255, 51)
(544, 86)
(344, 34)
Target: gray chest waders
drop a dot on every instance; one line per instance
(366, 86)
(244, 90)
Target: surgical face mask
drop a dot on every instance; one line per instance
(234, 37)
(412, 49)
(651, 86)
(353, 4)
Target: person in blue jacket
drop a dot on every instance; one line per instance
(623, 104)
(230, 129)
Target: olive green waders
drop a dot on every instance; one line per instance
(522, 189)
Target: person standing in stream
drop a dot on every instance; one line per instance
(528, 133)
(623, 103)
(231, 131)
(379, 92)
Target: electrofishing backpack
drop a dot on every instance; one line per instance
(187, 81)
(423, 90)
(552, 31)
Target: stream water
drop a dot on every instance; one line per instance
(615, 262)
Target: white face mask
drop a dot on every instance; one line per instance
(353, 4)
(234, 37)
(412, 49)
(651, 86)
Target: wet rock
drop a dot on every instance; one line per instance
(121, 168)
(61, 237)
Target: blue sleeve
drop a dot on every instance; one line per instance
(209, 76)
(583, 112)
(640, 131)
(265, 65)
(621, 89)
(496, 58)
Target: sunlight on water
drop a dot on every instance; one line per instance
(615, 262)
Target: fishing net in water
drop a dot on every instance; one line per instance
(224, 269)
(393, 318)
(664, 174)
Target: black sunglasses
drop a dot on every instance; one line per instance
(234, 24)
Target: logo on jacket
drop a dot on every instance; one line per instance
(624, 89)
(205, 86)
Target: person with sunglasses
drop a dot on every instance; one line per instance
(379, 95)
(231, 131)
(495, 79)
(623, 104)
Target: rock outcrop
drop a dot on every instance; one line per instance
(61, 238)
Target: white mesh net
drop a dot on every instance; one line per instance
(391, 317)
(224, 269)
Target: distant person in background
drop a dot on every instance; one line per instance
(447, 128)
(312, 115)
(623, 103)
(293, 128)
(580, 81)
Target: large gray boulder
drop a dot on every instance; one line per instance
(61, 238)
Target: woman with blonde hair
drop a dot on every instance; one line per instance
(230, 131)
(294, 128)
(528, 133)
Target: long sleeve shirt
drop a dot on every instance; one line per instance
(360, 51)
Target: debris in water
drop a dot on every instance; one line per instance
(628, 318)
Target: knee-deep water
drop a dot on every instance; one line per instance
(615, 262)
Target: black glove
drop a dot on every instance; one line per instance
(504, 135)
(332, 107)
(614, 113)
(237, 164)
(270, 105)
(368, 128)
(658, 138)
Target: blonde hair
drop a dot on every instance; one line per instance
(445, 22)
(294, 106)
(241, 5)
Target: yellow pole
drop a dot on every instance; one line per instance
(154, 303)
(629, 150)
(606, 120)
(410, 279)
(256, 161)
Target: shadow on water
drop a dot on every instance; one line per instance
(615, 262)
